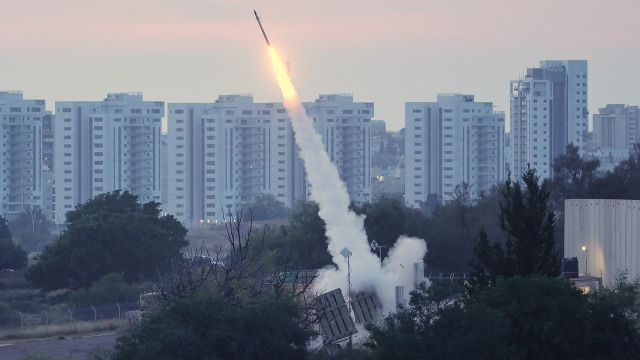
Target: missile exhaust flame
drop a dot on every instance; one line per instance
(344, 228)
(288, 91)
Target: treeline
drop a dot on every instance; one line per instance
(513, 306)
(578, 178)
(28, 231)
(247, 304)
(450, 230)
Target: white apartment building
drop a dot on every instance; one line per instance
(224, 153)
(451, 141)
(221, 155)
(107, 145)
(22, 155)
(345, 127)
(531, 102)
(566, 111)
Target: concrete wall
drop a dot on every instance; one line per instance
(610, 230)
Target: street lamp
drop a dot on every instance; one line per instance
(586, 259)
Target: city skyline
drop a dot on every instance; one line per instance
(386, 53)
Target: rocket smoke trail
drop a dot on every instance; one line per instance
(344, 227)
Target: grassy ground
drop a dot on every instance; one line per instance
(15, 294)
(57, 331)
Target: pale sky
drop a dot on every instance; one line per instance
(387, 52)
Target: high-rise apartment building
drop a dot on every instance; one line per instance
(449, 142)
(615, 132)
(549, 110)
(22, 154)
(223, 154)
(107, 145)
(531, 102)
(615, 127)
(48, 169)
(345, 127)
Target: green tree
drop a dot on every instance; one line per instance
(461, 201)
(347, 353)
(303, 240)
(109, 233)
(572, 176)
(386, 218)
(110, 288)
(12, 256)
(408, 333)
(535, 317)
(430, 204)
(528, 224)
(611, 186)
(629, 172)
(451, 229)
(613, 329)
(247, 271)
(205, 326)
(622, 183)
(266, 207)
(538, 326)
(31, 229)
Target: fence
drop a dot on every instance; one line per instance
(23, 320)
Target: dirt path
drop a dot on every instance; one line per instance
(76, 347)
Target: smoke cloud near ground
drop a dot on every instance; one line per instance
(344, 228)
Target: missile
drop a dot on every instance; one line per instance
(261, 28)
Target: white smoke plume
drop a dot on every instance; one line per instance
(344, 228)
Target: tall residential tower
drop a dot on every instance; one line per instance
(549, 110)
(449, 142)
(223, 154)
(22, 153)
(107, 145)
(615, 133)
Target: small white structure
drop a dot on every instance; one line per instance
(604, 235)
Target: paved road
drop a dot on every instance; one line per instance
(77, 347)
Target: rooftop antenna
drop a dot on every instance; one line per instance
(347, 254)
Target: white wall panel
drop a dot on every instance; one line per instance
(610, 229)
